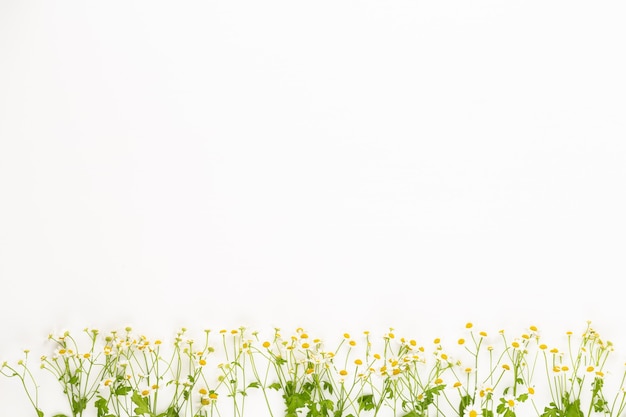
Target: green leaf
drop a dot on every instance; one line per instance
(102, 406)
(171, 412)
(296, 401)
(465, 401)
(122, 390)
(366, 402)
(573, 410)
(275, 386)
(326, 405)
(327, 386)
(551, 411)
(254, 385)
(141, 403)
(79, 405)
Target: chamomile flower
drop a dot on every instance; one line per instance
(472, 411)
(145, 390)
(509, 402)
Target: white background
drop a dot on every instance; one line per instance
(328, 164)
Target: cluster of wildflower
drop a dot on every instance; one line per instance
(122, 374)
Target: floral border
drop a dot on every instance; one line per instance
(122, 373)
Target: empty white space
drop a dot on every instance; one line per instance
(327, 164)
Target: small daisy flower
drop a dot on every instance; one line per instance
(145, 391)
(472, 411)
(509, 402)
